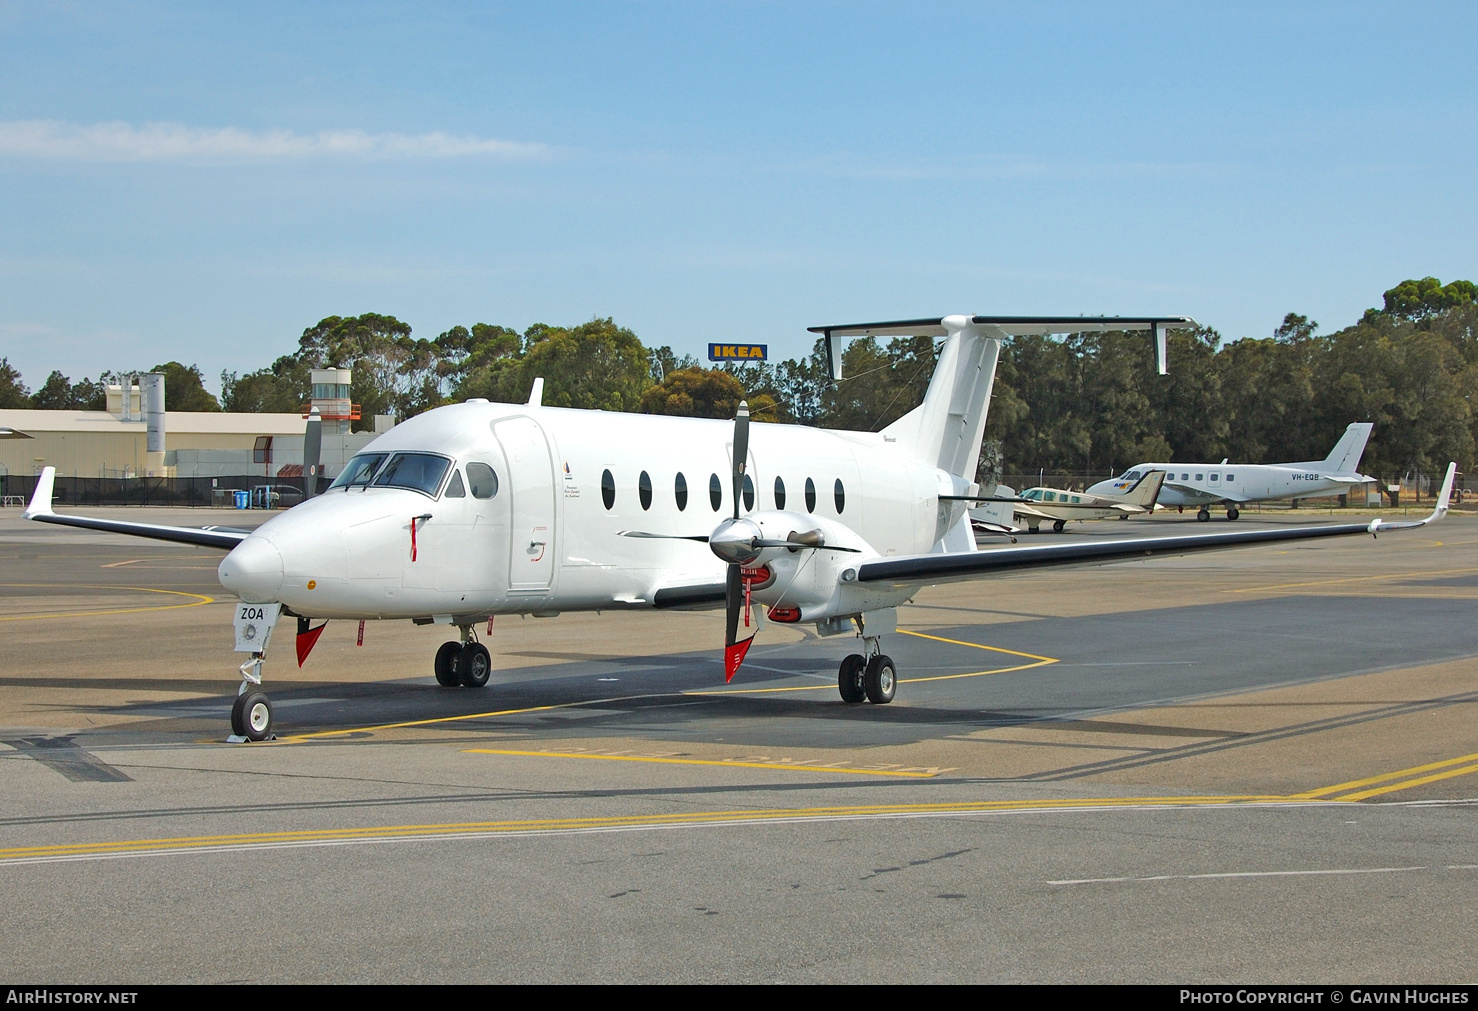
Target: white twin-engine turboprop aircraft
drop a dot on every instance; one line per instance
(479, 509)
(1234, 484)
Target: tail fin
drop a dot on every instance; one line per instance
(1344, 458)
(1146, 491)
(946, 429)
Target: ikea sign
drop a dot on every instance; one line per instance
(738, 352)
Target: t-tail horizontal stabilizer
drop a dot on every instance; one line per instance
(1003, 326)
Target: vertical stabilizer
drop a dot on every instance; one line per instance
(1344, 458)
(946, 429)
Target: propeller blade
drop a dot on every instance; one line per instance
(734, 650)
(702, 538)
(741, 450)
(760, 542)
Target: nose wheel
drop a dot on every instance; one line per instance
(251, 717)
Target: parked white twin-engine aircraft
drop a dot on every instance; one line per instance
(1205, 485)
(479, 509)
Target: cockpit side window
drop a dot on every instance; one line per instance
(484, 480)
(1133, 475)
(360, 470)
(420, 472)
(454, 487)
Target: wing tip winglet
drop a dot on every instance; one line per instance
(40, 504)
(1444, 496)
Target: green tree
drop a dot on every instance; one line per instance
(13, 392)
(1420, 300)
(54, 395)
(184, 388)
(283, 387)
(694, 393)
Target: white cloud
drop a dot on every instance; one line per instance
(175, 142)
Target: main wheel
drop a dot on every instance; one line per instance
(446, 664)
(880, 680)
(1204, 515)
(1057, 526)
(1232, 513)
(474, 665)
(849, 678)
(251, 716)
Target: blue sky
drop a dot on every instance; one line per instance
(202, 181)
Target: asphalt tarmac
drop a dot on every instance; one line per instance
(1253, 765)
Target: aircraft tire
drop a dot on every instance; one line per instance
(446, 664)
(1204, 515)
(474, 665)
(1057, 526)
(881, 680)
(1233, 513)
(251, 716)
(850, 678)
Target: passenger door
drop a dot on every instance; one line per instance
(531, 491)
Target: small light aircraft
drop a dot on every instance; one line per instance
(1059, 506)
(1231, 485)
(479, 509)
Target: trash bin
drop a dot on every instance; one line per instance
(242, 499)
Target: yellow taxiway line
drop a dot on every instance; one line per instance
(1391, 782)
(1038, 661)
(784, 766)
(200, 599)
(599, 823)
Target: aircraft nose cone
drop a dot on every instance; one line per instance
(253, 570)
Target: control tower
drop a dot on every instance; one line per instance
(331, 397)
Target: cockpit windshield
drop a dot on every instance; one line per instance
(1132, 475)
(420, 472)
(360, 470)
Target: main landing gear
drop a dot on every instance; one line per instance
(467, 663)
(1203, 514)
(872, 677)
(1058, 525)
(1232, 512)
(251, 713)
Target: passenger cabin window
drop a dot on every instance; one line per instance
(1231, 477)
(1198, 477)
(779, 493)
(810, 495)
(454, 487)
(715, 492)
(483, 479)
(1185, 477)
(644, 490)
(607, 489)
(1049, 496)
(748, 494)
(680, 491)
(360, 470)
(1216, 477)
(841, 496)
(420, 472)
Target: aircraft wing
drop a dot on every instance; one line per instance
(918, 570)
(205, 537)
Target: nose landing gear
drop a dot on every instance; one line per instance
(251, 713)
